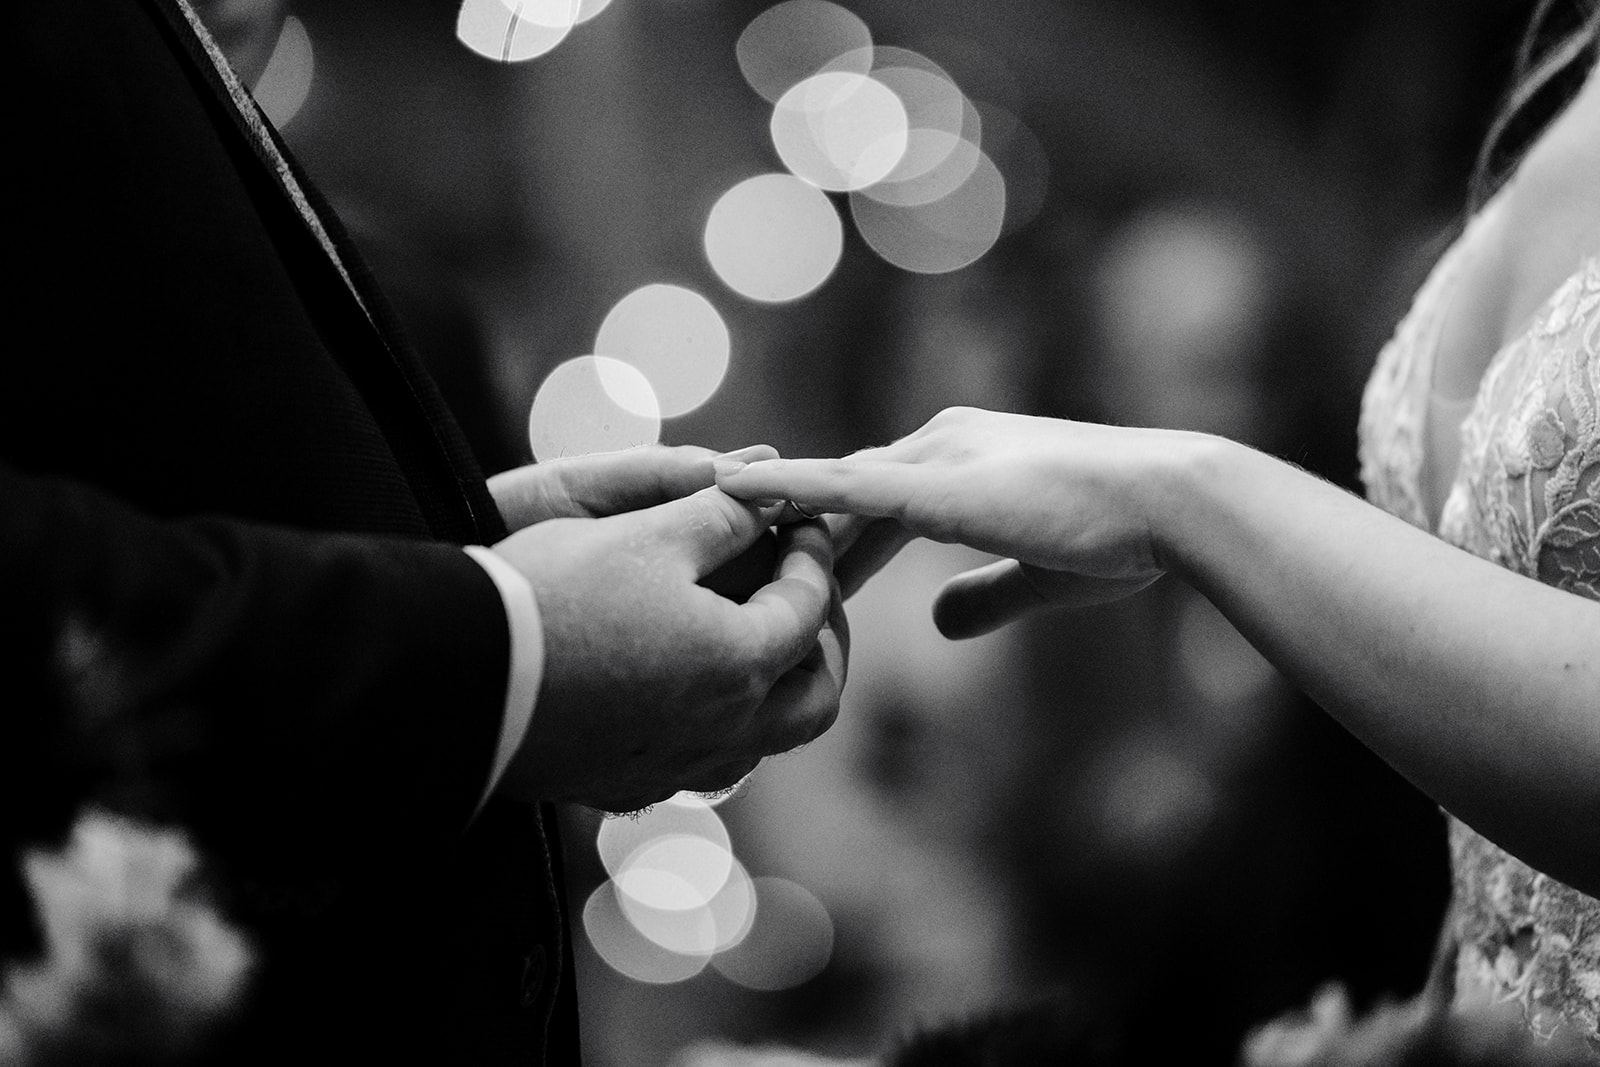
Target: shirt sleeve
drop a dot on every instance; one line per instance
(526, 662)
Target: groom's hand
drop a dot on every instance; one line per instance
(655, 683)
(609, 483)
(612, 483)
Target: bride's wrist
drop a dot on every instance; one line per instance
(1193, 473)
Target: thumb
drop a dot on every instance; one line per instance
(985, 599)
(710, 527)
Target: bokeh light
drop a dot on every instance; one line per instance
(1152, 800)
(773, 238)
(955, 160)
(510, 31)
(711, 926)
(934, 106)
(588, 9)
(286, 81)
(1181, 277)
(620, 943)
(940, 236)
(1017, 151)
(887, 125)
(789, 943)
(791, 41)
(685, 815)
(691, 931)
(840, 130)
(678, 872)
(574, 412)
(675, 889)
(733, 909)
(675, 338)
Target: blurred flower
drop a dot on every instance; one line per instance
(1299, 1039)
(137, 965)
(1418, 1032)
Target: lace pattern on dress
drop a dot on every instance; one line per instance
(1526, 495)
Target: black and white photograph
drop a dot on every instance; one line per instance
(802, 533)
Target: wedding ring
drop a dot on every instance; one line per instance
(800, 511)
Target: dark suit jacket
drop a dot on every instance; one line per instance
(235, 477)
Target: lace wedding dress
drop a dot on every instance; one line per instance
(1525, 495)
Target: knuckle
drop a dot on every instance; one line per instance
(740, 687)
(748, 648)
(676, 457)
(698, 510)
(752, 691)
(709, 515)
(958, 415)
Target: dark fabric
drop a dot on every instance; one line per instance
(236, 487)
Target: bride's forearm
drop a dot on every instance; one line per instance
(1479, 685)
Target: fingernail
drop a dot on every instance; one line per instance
(726, 467)
(746, 453)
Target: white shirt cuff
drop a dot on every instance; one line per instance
(526, 668)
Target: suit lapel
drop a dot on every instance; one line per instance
(470, 514)
(254, 125)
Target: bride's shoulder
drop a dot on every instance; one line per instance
(1553, 209)
(1528, 243)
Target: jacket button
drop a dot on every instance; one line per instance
(533, 966)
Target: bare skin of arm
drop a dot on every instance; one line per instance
(1479, 685)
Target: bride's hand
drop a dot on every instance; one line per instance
(1070, 503)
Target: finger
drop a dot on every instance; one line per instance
(706, 529)
(985, 599)
(792, 514)
(802, 704)
(614, 482)
(783, 618)
(836, 658)
(870, 545)
(860, 486)
(607, 483)
(745, 573)
(846, 529)
(830, 654)
(523, 495)
(693, 472)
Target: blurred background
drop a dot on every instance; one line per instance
(815, 225)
